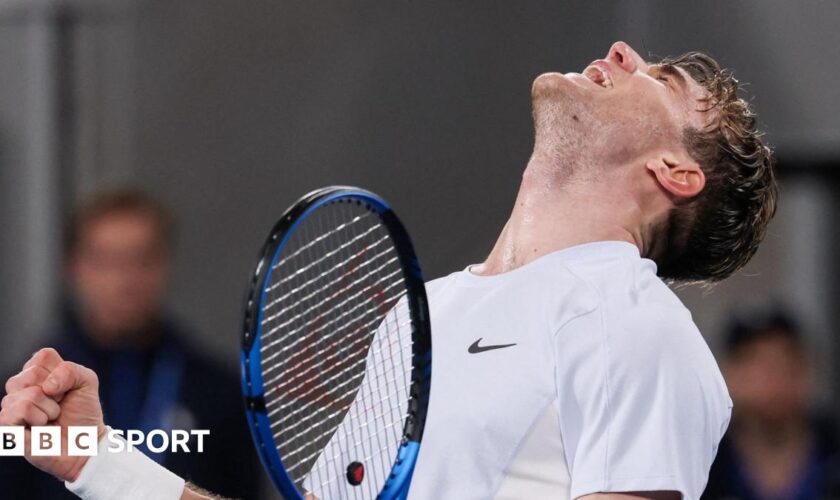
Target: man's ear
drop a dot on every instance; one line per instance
(680, 176)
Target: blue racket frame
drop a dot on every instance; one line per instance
(399, 480)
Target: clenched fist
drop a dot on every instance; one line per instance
(51, 391)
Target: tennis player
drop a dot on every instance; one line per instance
(565, 367)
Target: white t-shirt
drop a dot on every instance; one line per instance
(580, 372)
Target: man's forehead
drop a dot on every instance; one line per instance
(695, 88)
(693, 85)
(697, 96)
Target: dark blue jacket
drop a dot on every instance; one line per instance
(819, 479)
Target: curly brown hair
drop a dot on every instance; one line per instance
(717, 232)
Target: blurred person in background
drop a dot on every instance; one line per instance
(775, 447)
(117, 257)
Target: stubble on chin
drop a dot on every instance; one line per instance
(563, 127)
(580, 134)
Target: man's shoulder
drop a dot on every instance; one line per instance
(436, 288)
(653, 317)
(639, 313)
(629, 292)
(441, 282)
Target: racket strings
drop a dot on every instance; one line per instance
(385, 427)
(320, 238)
(276, 384)
(337, 267)
(373, 438)
(320, 328)
(390, 420)
(363, 432)
(303, 420)
(325, 302)
(337, 369)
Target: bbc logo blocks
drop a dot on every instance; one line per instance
(11, 441)
(83, 441)
(46, 441)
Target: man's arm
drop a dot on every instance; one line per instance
(51, 391)
(635, 495)
(193, 492)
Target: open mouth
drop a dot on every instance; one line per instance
(599, 76)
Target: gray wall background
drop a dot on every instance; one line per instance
(230, 110)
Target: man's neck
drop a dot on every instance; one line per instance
(556, 212)
(766, 434)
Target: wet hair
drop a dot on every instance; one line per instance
(717, 232)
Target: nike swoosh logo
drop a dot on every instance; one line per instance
(475, 348)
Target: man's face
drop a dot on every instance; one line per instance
(768, 378)
(119, 270)
(618, 109)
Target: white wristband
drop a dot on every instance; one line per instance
(125, 475)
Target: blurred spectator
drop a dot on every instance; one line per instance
(117, 255)
(775, 447)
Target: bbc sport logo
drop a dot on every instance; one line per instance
(82, 442)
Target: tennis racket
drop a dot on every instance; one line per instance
(336, 350)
